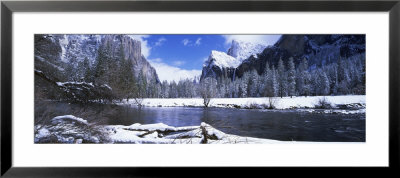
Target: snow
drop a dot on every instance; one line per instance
(60, 119)
(151, 127)
(79, 47)
(192, 133)
(70, 129)
(212, 131)
(337, 111)
(63, 43)
(153, 135)
(157, 127)
(159, 133)
(237, 53)
(222, 60)
(105, 85)
(281, 103)
(121, 134)
(242, 50)
(61, 84)
(136, 133)
(43, 132)
(78, 141)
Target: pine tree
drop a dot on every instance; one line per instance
(275, 86)
(165, 89)
(127, 80)
(291, 78)
(87, 74)
(252, 84)
(325, 84)
(303, 78)
(173, 90)
(281, 78)
(269, 84)
(141, 86)
(100, 70)
(243, 85)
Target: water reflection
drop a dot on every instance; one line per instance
(278, 125)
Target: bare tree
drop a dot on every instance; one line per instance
(271, 101)
(208, 90)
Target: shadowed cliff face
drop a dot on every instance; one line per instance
(55, 51)
(132, 51)
(47, 46)
(293, 44)
(300, 45)
(317, 49)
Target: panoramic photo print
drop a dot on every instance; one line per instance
(199, 88)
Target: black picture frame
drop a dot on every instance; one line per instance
(8, 7)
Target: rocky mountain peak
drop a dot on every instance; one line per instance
(242, 50)
(221, 63)
(222, 59)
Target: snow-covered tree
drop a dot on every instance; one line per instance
(268, 78)
(252, 84)
(303, 79)
(173, 92)
(208, 90)
(275, 86)
(325, 84)
(291, 78)
(164, 89)
(281, 78)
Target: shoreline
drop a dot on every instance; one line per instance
(343, 103)
(71, 130)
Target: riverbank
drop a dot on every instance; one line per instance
(314, 125)
(301, 102)
(71, 129)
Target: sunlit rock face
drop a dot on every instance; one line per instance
(221, 64)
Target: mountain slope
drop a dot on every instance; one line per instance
(224, 64)
(66, 51)
(131, 51)
(242, 50)
(317, 49)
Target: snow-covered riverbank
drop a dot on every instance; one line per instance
(71, 129)
(352, 101)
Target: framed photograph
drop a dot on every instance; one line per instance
(102, 88)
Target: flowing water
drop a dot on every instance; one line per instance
(285, 125)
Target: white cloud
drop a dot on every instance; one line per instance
(178, 63)
(172, 73)
(160, 41)
(146, 48)
(157, 60)
(185, 41)
(258, 39)
(197, 43)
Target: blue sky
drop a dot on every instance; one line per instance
(182, 56)
(184, 51)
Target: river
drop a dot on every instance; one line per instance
(284, 125)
